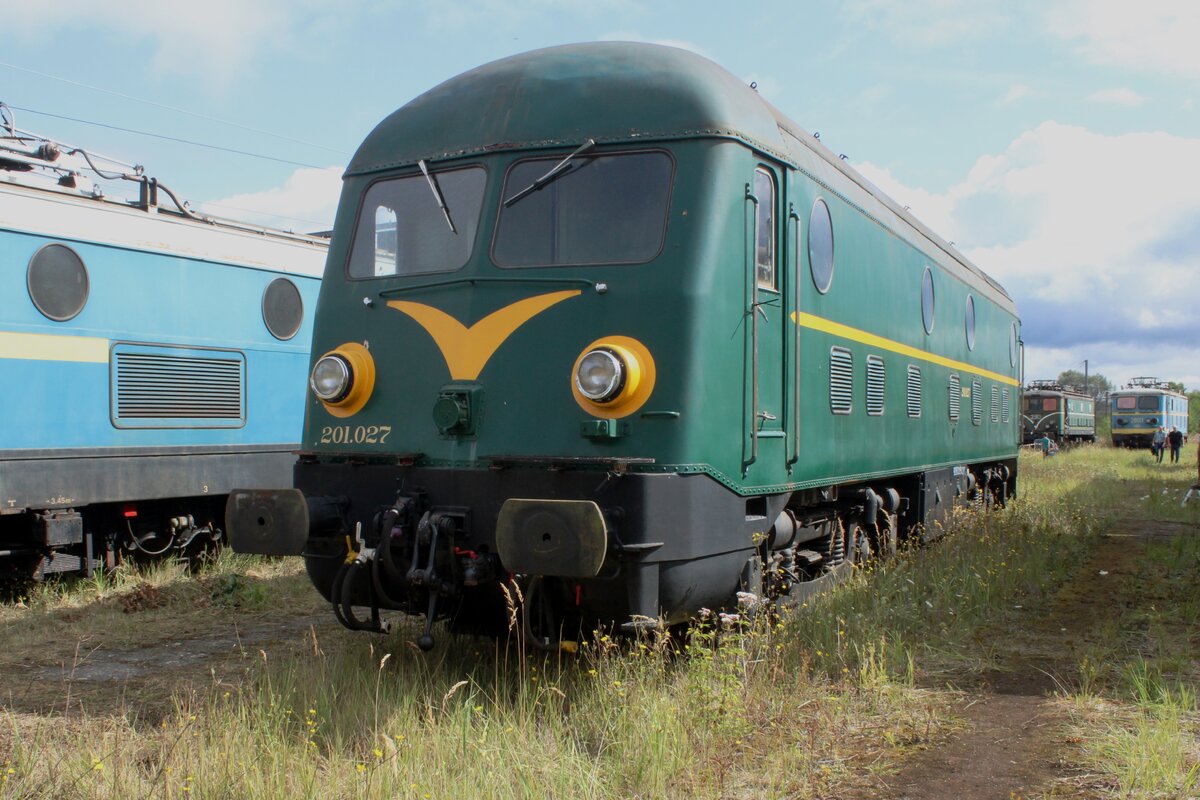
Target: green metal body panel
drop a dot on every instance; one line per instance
(692, 306)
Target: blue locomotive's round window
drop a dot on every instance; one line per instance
(57, 282)
(1012, 345)
(282, 308)
(927, 300)
(970, 322)
(820, 246)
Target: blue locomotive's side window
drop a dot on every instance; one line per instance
(820, 246)
(412, 225)
(282, 308)
(57, 282)
(970, 322)
(606, 209)
(927, 299)
(764, 229)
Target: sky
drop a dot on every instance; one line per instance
(1055, 142)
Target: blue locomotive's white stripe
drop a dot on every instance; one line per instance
(49, 347)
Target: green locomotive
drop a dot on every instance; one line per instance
(600, 321)
(1063, 413)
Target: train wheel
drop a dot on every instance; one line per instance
(887, 540)
(858, 545)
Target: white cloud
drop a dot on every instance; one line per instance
(1118, 97)
(1153, 35)
(1017, 91)
(212, 41)
(682, 44)
(306, 202)
(1096, 237)
(929, 22)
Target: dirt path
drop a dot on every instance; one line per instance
(1014, 743)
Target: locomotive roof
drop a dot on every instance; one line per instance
(607, 91)
(1145, 390)
(1055, 390)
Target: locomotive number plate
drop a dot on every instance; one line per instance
(355, 434)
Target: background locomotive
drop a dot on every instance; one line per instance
(153, 359)
(1063, 413)
(600, 319)
(1141, 407)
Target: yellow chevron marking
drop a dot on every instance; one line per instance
(854, 334)
(467, 350)
(51, 347)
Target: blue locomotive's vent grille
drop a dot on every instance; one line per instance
(841, 380)
(175, 387)
(876, 376)
(976, 403)
(955, 397)
(1004, 407)
(914, 391)
(995, 404)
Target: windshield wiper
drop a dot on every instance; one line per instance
(555, 171)
(437, 194)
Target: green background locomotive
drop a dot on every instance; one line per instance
(1062, 413)
(601, 319)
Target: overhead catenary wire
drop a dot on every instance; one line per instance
(164, 137)
(260, 212)
(175, 109)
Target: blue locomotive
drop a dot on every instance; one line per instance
(153, 359)
(1143, 406)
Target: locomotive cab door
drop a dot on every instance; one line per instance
(768, 325)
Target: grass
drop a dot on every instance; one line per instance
(815, 704)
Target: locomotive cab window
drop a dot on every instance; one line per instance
(764, 229)
(413, 225)
(1126, 403)
(1050, 404)
(607, 209)
(1148, 403)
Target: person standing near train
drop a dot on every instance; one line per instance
(1159, 443)
(1175, 441)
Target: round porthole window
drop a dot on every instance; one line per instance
(1012, 345)
(57, 282)
(820, 246)
(282, 308)
(970, 322)
(927, 300)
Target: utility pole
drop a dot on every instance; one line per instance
(1085, 377)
